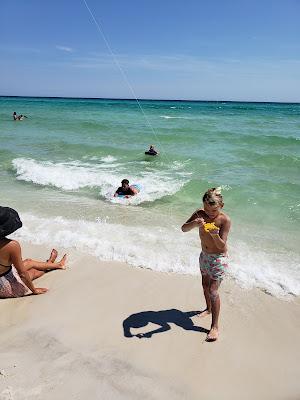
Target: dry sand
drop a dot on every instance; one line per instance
(70, 343)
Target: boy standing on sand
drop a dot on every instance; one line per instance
(213, 257)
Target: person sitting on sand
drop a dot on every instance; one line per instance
(213, 258)
(152, 151)
(16, 275)
(126, 190)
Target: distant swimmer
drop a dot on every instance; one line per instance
(18, 117)
(126, 190)
(151, 151)
(21, 117)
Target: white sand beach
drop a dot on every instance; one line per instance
(70, 343)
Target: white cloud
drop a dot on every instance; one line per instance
(65, 48)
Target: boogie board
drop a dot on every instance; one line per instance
(149, 153)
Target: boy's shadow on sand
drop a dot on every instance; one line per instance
(162, 318)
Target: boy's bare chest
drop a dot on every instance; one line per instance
(218, 220)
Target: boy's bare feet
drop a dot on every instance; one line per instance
(53, 256)
(203, 313)
(213, 335)
(62, 263)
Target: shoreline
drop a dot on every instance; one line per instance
(70, 343)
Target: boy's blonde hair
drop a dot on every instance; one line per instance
(213, 196)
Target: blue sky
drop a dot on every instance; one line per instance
(194, 49)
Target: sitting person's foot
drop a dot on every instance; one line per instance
(203, 313)
(62, 263)
(53, 256)
(212, 335)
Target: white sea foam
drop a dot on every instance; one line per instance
(164, 249)
(138, 246)
(105, 176)
(170, 117)
(108, 159)
(275, 273)
(67, 176)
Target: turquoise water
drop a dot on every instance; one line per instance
(61, 165)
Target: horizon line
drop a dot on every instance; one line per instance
(145, 99)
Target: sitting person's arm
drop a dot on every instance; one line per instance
(16, 260)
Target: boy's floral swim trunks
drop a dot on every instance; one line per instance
(213, 265)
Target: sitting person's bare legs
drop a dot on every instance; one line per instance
(206, 285)
(38, 268)
(215, 311)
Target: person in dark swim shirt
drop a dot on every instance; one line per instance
(125, 189)
(151, 151)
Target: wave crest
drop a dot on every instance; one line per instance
(105, 176)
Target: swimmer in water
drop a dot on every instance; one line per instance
(152, 151)
(18, 117)
(126, 190)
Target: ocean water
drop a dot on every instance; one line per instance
(61, 166)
